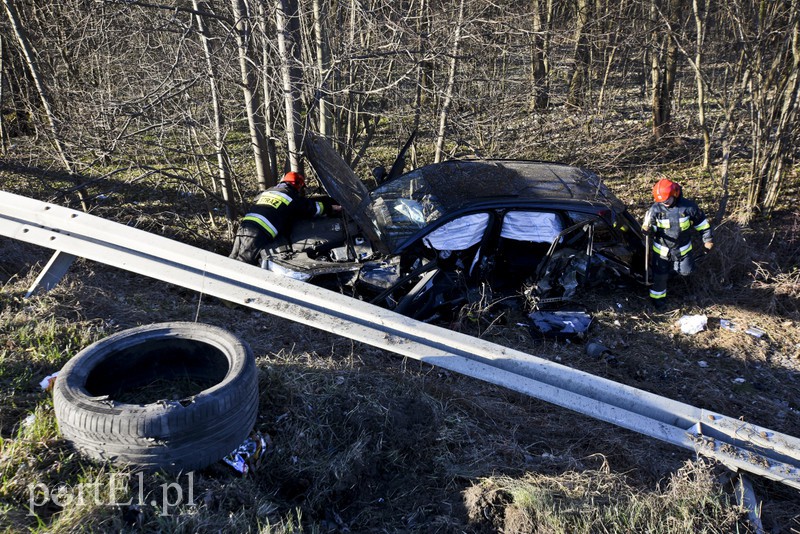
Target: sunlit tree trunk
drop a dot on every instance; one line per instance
(451, 78)
(786, 123)
(288, 30)
(323, 57)
(255, 122)
(700, 28)
(423, 70)
(267, 86)
(223, 171)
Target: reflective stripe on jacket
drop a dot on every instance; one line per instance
(275, 209)
(670, 227)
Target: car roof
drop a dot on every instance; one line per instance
(461, 183)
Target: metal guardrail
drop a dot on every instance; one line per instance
(741, 446)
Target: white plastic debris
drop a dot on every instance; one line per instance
(692, 324)
(739, 380)
(47, 382)
(755, 331)
(725, 324)
(703, 364)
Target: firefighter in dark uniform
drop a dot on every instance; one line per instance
(273, 213)
(669, 221)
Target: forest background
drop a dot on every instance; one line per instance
(171, 116)
(218, 95)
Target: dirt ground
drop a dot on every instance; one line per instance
(364, 440)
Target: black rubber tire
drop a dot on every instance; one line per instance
(171, 434)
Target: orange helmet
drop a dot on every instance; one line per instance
(665, 189)
(295, 179)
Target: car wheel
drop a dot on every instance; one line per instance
(172, 396)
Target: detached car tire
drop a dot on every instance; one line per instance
(213, 414)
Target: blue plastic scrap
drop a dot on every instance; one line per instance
(561, 322)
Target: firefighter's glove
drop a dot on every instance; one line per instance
(709, 245)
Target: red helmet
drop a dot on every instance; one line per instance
(665, 189)
(295, 179)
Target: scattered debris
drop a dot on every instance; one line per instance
(597, 351)
(703, 364)
(248, 456)
(47, 382)
(739, 380)
(692, 324)
(560, 323)
(725, 324)
(755, 332)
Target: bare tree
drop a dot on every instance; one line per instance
(451, 77)
(52, 121)
(700, 17)
(223, 169)
(323, 56)
(540, 49)
(580, 78)
(664, 63)
(255, 121)
(287, 18)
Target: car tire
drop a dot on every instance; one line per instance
(192, 431)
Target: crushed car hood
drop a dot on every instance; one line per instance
(342, 185)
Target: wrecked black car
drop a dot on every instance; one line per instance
(426, 242)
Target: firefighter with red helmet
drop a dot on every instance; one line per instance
(273, 213)
(668, 222)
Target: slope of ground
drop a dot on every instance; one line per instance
(365, 441)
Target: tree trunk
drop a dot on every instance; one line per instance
(267, 86)
(30, 59)
(700, 27)
(288, 29)
(451, 78)
(664, 65)
(579, 80)
(323, 55)
(786, 122)
(539, 45)
(423, 70)
(223, 171)
(255, 122)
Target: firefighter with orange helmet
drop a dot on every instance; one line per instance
(273, 213)
(668, 222)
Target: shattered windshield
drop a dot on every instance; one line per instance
(402, 207)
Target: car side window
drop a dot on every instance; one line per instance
(603, 234)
